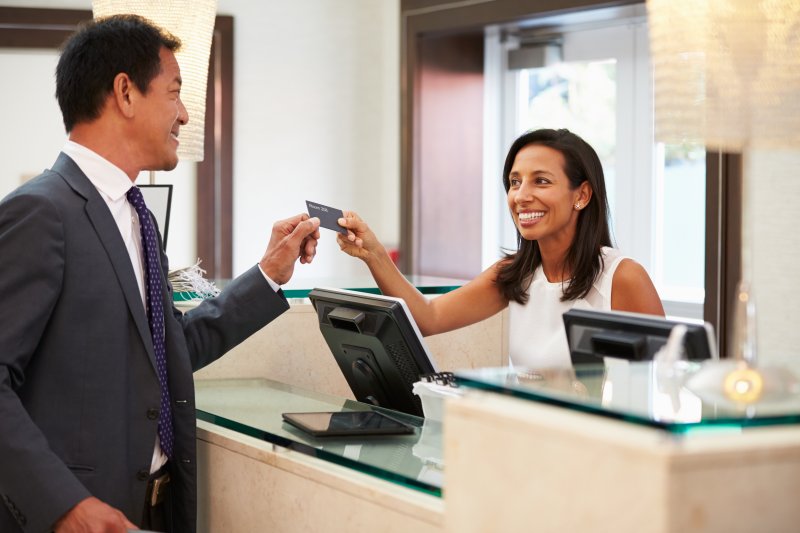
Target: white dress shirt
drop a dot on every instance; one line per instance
(113, 184)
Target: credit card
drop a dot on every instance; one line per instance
(328, 216)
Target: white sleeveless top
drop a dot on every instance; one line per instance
(537, 338)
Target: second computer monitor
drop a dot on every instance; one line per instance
(592, 335)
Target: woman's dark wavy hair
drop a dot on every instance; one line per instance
(93, 56)
(584, 259)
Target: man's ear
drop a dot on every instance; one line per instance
(123, 92)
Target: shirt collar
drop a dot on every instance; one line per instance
(104, 175)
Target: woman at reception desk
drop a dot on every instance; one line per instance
(564, 260)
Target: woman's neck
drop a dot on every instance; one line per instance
(554, 256)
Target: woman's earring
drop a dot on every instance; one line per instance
(578, 207)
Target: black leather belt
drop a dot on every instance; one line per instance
(157, 487)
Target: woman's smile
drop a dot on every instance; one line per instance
(529, 218)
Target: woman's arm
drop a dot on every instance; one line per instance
(477, 300)
(632, 290)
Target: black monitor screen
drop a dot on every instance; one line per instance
(377, 345)
(593, 335)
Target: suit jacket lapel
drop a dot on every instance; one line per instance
(107, 232)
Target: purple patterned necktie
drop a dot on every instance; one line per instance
(155, 313)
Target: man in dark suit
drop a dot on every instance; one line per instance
(96, 390)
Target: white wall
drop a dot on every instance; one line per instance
(316, 117)
(772, 248)
(32, 131)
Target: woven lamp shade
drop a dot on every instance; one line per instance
(192, 21)
(726, 72)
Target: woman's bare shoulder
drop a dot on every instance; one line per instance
(633, 290)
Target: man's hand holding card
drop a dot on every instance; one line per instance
(291, 239)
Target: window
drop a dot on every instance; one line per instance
(680, 181)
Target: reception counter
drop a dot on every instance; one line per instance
(620, 447)
(523, 450)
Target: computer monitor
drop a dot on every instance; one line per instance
(376, 344)
(159, 201)
(592, 335)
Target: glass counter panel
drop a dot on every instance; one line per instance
(299, 288)
(681, 398)
(254, 407)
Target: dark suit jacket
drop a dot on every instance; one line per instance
(77, 370)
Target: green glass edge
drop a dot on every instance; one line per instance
(680, 428)
(303, 293)
(380, 473)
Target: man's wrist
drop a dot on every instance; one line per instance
(275, 286)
